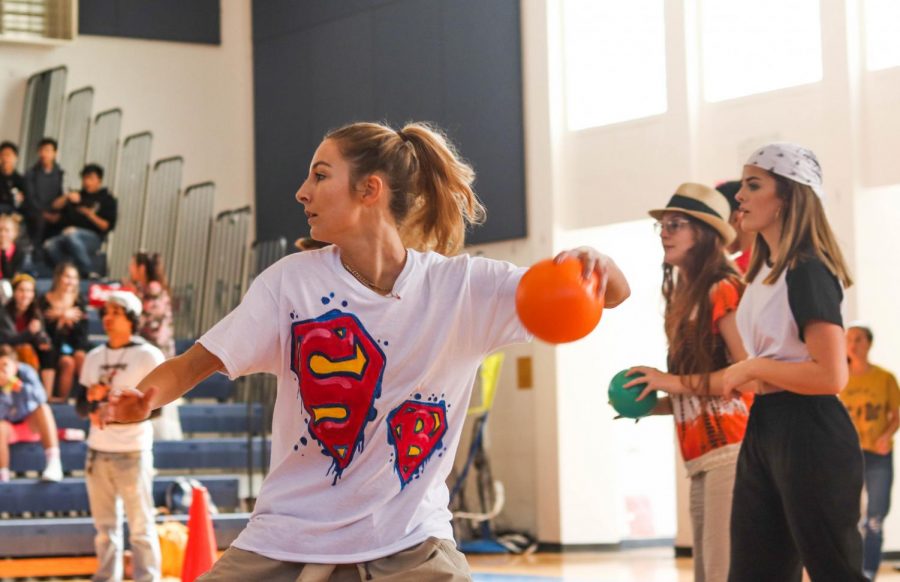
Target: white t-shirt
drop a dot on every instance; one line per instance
(372, 396)
(771, 318)
(121, 368)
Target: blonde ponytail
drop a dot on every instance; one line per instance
(432, 199)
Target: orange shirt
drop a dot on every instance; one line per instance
(705, 424)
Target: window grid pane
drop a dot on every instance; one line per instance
(759, 47)
(615, 61)
(882, 22)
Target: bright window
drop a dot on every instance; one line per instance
(754, 47)
(882, 22)
(615, 61)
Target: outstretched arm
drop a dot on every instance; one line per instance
(168, 381)
(688, 383)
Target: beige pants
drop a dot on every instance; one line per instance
(433, 560)
(711, 493)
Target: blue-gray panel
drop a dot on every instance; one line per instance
(272, 18)
(341, 68)
(483, 84)
(197, 21)
(319, 65)
(408, 83)
(284, 134)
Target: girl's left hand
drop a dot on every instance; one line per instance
(591, 262)
(738, 374)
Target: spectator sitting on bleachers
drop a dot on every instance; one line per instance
(65, 317)
(120, 459)
(30, 340)
(86, 218)
(12, 255)
(44, 183)
(12, 183)
(23, 399)
(147, 275)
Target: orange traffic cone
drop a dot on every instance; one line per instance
(200, 553)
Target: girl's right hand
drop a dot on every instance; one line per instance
(655, 380)
(128, 405)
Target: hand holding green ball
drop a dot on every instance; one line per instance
(624, 400)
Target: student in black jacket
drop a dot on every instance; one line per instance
(86, 218)
(45, 183)
(12, 183)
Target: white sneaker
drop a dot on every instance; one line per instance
(53, 471)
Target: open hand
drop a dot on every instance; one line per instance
(128, 405)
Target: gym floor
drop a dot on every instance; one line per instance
(644, 565)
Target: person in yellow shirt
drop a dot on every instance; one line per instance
(873, 400)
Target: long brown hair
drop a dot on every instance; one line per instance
(153, 266)
(432, 199)
(693, 346)
(805, 233)
(58, 273)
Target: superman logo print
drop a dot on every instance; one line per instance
(340, 369)
(415, 429)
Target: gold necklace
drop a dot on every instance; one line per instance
(362, 279)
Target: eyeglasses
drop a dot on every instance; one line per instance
(671, 226)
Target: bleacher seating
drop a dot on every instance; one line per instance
(35, 497)
(221, 434)
(74, 536)
(188, 455)
(195, 418)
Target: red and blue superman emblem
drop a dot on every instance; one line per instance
(340, 369)
(416, 430)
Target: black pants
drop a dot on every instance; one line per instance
(797, 493)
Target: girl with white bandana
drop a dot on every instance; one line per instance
(799, 475)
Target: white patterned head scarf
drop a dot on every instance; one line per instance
(790, 161)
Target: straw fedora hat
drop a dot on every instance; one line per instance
(704, 204)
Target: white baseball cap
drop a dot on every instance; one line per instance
(127, 301)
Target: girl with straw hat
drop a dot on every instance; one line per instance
(701, 288)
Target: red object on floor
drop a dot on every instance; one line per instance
(22, 433)
(200, 554)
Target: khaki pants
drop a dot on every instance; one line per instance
(128, 477)
(711, 519)
(433, 560)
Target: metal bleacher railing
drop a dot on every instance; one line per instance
(161, 208)
(187, 274)
(42, 114)
(132, 184)
(103, 146)
(226, 263)
(74, 138)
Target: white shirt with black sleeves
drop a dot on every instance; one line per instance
(771, 318)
